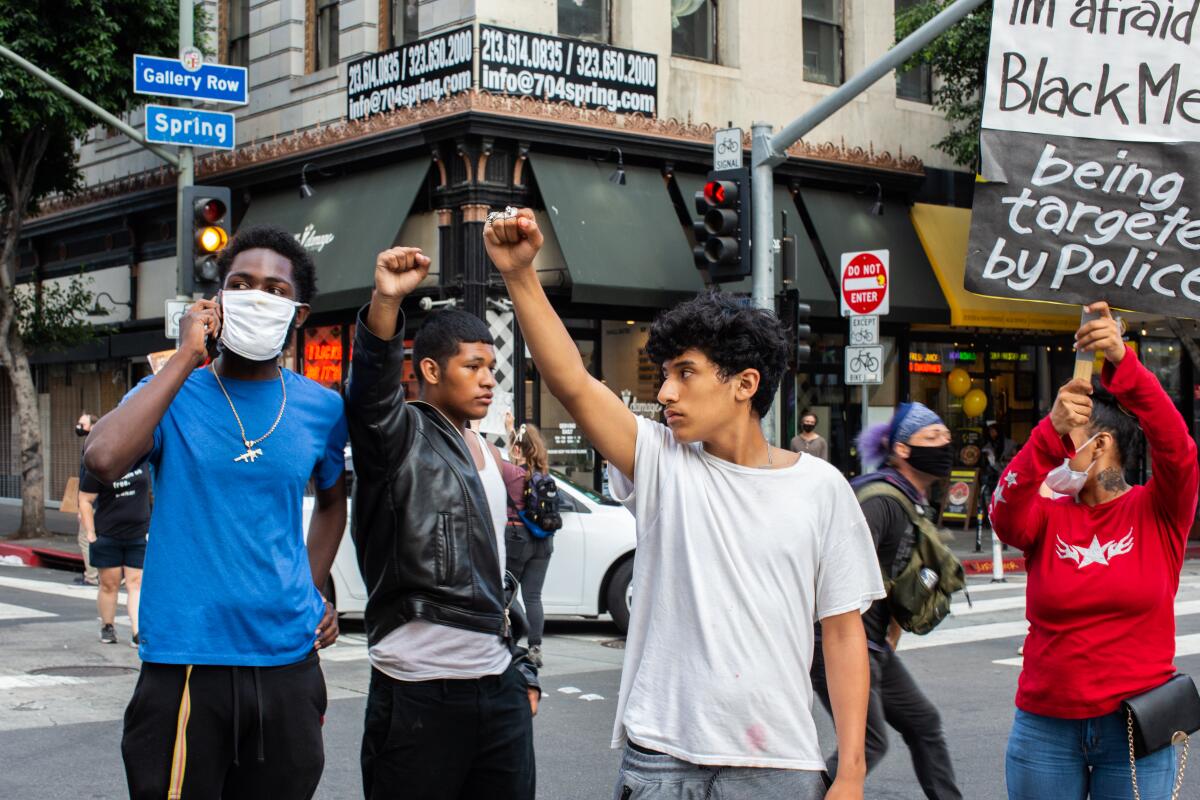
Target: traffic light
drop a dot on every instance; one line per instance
(723, 232)
(796, 317)
(207, 231)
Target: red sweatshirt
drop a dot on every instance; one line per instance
(1102, 580)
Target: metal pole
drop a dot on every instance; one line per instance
(762, 245)
(997, 560)
(186, 165)
(76, 97)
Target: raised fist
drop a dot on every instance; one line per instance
(399, 271)
(513, 242)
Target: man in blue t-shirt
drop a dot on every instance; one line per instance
(231, 697)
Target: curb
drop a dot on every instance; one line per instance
(983, 566)
(43, 556)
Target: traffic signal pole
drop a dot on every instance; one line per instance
(186, 166)
(768, 151)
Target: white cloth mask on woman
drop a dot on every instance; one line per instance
(255, 324)
(1066, 481)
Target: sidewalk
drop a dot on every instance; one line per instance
(59, 550)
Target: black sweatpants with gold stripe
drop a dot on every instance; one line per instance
(225, 733)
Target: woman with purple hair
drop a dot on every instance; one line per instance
(912, 452)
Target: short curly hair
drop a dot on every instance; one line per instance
(270, 237)
(732, 335)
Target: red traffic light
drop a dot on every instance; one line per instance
(210, 210)
(720, 193)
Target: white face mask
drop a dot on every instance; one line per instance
(255, 324)
(1066, 481)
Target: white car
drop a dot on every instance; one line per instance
(590, 572)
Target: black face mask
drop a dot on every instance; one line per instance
(80, 430)
(808, 428)
(935, 461)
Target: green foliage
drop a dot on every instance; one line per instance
(959, 58)
(54, 317)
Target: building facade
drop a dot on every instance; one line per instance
(407, 121)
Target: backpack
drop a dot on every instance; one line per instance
(541, 515)
(916, 606)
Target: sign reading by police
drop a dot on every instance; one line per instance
(1089, 152)
(583, 74)
(428, 70)
(189, 126)
(169, 77)
(865, 286)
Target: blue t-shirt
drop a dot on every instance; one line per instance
(226, 577)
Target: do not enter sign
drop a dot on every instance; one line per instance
(865, 284)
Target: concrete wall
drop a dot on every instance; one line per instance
(759, 74)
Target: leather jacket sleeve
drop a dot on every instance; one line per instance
(375, 407)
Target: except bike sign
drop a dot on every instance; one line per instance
(864, 330)
(865, 285)
(864, 365)
(170, 77)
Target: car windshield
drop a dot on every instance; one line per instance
(595, 497)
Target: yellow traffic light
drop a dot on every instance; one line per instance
(210, 239)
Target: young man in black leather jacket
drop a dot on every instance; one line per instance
(451, 702)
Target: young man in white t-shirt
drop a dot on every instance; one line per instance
(742, 546)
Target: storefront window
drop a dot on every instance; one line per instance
(323, 356)
(570, 451)
(627, 368)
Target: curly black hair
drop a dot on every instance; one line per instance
(733, 336)
(442, 332)
(270, 237)
(1109, 416)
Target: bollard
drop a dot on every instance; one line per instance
(997, 560)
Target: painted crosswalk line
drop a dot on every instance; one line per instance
(9, 682)
(8, 611)
(56, 589)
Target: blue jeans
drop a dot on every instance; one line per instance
(1074, 759)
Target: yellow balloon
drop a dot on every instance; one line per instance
(975, 403)
(958, 381)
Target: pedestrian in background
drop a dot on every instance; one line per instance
(90, 576)
(1104, 560)
(527, 556)
(116, 519)
(915, 451)
(808, 440)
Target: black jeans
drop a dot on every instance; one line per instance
(449, 739)
(528, 558)
(251, 732)
(896, 700)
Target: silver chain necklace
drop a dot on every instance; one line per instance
(252, 452)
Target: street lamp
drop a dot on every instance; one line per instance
(98, 310)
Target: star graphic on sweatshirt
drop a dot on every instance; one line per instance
(1095, 553)
(1010, 479)
(998, 495)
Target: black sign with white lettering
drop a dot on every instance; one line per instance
(1078, 220)
(583, 74)
(428, 70)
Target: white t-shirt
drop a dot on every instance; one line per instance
(734, 565)
(426, 651)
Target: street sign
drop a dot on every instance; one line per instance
(727, 149)
(170, 77)
(864, 330)
(175, 311)
(864, 365)
(189, 126)
(865, 285)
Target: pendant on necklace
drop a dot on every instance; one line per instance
(250, 455)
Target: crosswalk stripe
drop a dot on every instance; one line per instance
(57, 589)
(8, 611)
(8, 682)
(964, 609)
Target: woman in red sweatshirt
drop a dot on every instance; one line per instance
(1104, 566)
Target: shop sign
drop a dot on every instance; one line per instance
(1089, 156)
(579, 73)
(639, 407)
(323, 356)
(865, 287)
(961, 496)
(428, 70)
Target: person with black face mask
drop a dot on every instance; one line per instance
(916, 451)
(808, 440)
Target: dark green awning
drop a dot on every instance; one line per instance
(345, 224)
(844, 223)
(810, 280)
(623, 245)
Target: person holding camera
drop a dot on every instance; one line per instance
(1103, 560)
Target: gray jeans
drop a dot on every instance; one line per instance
(662, 777)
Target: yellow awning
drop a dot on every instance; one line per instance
(944, 233)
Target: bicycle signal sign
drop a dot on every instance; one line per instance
(864, 365)
(727, 148)
(865, 284)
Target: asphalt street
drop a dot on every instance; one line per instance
(62, 694)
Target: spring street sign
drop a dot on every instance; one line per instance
(170, 77)
(189, 126)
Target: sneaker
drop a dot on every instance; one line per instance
(535, 655)
(82, 581)
(108, 634)
(134, 642)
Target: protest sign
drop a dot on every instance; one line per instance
(1091, 114)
